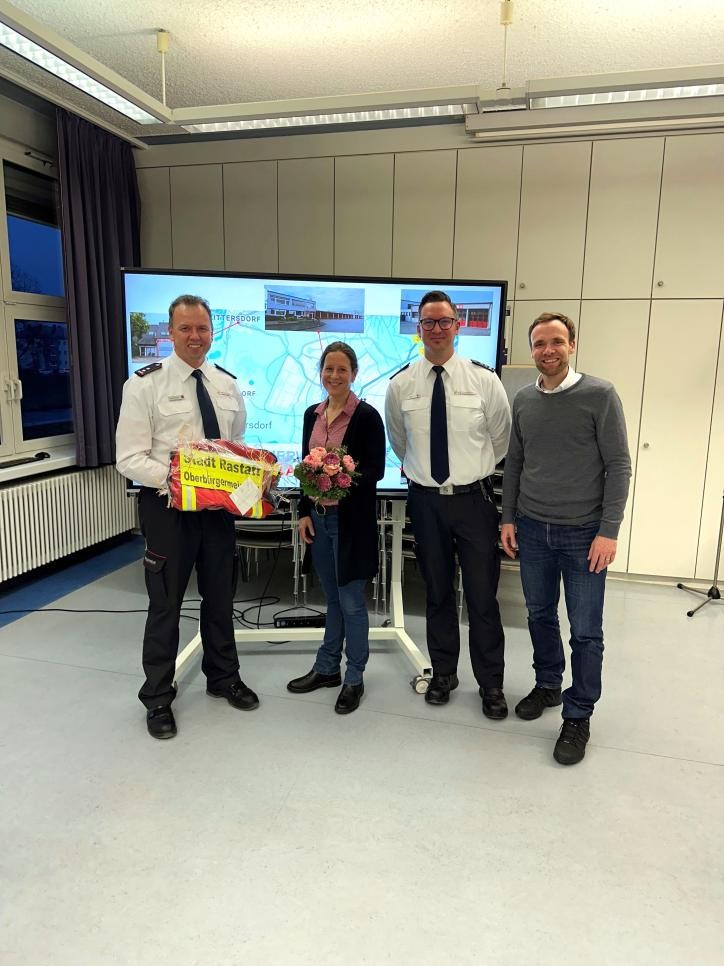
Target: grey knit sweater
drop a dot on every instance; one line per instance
(568, 460)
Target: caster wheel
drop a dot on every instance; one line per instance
(420, 684)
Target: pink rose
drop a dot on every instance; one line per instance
(324, 483)
(314, 461)
(319, 452)
(348, 462)
(308, 461)
(344, 480)
(331, 469)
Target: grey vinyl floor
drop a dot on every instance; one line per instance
(401, 834)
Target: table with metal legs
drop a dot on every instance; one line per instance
(391, 517)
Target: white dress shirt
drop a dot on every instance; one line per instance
(161, 409)
(478, 419)
(571, 379)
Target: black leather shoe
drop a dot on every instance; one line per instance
(438, 691)
(313, 681)
(494, 703)
(349, 698)
(160, 722)
(534, 704)
(571, 745)
(237, 694)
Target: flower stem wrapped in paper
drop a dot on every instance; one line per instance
(326, 474)
(221, 475)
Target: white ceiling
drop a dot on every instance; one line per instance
(225, 51)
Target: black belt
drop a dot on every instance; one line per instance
(455, 489)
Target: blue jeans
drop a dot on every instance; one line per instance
(549, 551)
(347, 617)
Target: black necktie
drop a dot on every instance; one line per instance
(439, 465)
(208, 414)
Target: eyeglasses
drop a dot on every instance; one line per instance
(429, 324)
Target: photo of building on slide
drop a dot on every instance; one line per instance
(474, 317)
(306, 308)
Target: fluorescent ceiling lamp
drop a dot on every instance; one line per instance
(344, 117)
(623, 97)
(33, 52)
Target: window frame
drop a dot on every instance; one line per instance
(24, 305)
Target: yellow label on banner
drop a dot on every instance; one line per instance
(214, 471)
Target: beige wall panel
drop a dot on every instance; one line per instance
(154, 187)
(623, 209)
(363, 215)
(486, 213)
(197, 217)
(554, 200)
(523, 315)
(675, 425)
(306, 216)
(606, 327)
(424, 214)
(714, 487)
(690, 247)
(250, 217)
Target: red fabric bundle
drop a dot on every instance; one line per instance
(219, 474)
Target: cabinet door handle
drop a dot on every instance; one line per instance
(660, 284)
(647, 445)
(521, 284)
(18, 389)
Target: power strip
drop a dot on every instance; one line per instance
(317, 620)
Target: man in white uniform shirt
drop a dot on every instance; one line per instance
(182, 398)
(448, 421)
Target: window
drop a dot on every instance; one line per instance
(36, 419)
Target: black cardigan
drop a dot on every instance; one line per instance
(365, 442)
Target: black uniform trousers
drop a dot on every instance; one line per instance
(466, 524)
(175, 541)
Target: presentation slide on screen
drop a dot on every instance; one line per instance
(270, 333)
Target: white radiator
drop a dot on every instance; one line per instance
(43, 520)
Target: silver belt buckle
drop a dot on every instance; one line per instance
(447, 490)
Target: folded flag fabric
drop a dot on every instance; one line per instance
(221, 475)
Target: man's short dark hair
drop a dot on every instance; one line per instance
(437, 296)
(553, 317)
(189, 300)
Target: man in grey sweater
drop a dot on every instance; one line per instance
(565, 486)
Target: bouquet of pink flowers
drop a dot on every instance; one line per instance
(326, 474)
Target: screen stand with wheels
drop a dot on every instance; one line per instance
(392, 516)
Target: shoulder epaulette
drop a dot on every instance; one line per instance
(482, 365)
(399, 371)
(221, 369)
(153, 367)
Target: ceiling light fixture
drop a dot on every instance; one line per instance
(38, 44)
(341, 117)
(627, 97)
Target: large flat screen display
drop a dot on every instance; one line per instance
(270, 330)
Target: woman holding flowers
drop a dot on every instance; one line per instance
(341, 531)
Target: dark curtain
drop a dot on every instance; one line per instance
(100, 217)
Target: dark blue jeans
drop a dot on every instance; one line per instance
(347, 618)
(549, 551)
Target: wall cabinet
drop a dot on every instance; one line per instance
(714, 486)
(605, 327)
(487, 203)
(424, 214)
(154, 187)
(553, 204)
(690, 247)
(250, 217)
(197, 214)
(306, 216)
(363, 215)
(681, 362)
(623, 208)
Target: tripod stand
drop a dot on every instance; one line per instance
(713, 593)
